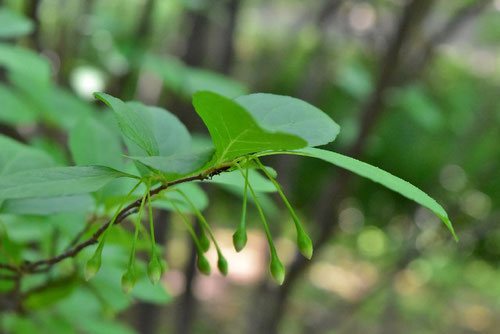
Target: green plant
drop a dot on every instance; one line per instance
(164, 160)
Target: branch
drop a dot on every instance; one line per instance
(46, 264)
(449, 29)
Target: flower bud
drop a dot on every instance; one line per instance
(155, 270)
(222, 265)
(93, 265)
(277, 269)
(239, 239)
(128, 281)
(305, 244)
(203, 264)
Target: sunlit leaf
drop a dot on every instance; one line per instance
(290, 115)
(235, 132)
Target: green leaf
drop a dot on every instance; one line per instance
(192, 190)
(132, 124)
(13, 25)
(290, 115)
(47, 206)
(16, 157)
(178, 164)
(378, 175)
(23, 61)
(233, 130)
(92, 143)
(186, 80)
(52, 293)
(234, 179)
(56, 181)
(14, 109)
(168, 131)
(155, 294)
(200, 80)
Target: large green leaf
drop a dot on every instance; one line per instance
(56, 181)
(92, 143)
(168, 131)
(13, 25)
(178, 164)
(47, 206)
(16, 157)
(291, 115)
(234, 131)
(380, 176)
(132, 124)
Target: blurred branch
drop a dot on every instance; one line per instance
(32, 7)
(196, 45)
(228, 37)
(126, 85)
(448, 31)
(329, 9)
(12, 132)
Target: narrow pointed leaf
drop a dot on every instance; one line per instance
(380, 176)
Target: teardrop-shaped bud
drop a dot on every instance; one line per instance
(305, 244)
(277, 269)
(222, 265)
(155, 270)
(203, 264)
(93, 265)
(239, 239)
(128, 281)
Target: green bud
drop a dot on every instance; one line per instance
(277, 269)
(203, 264)
(239, 239)
(93, 265)
(155, 270)
(222, 265)
(128, 281)
(204, 241)
(305, 244)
